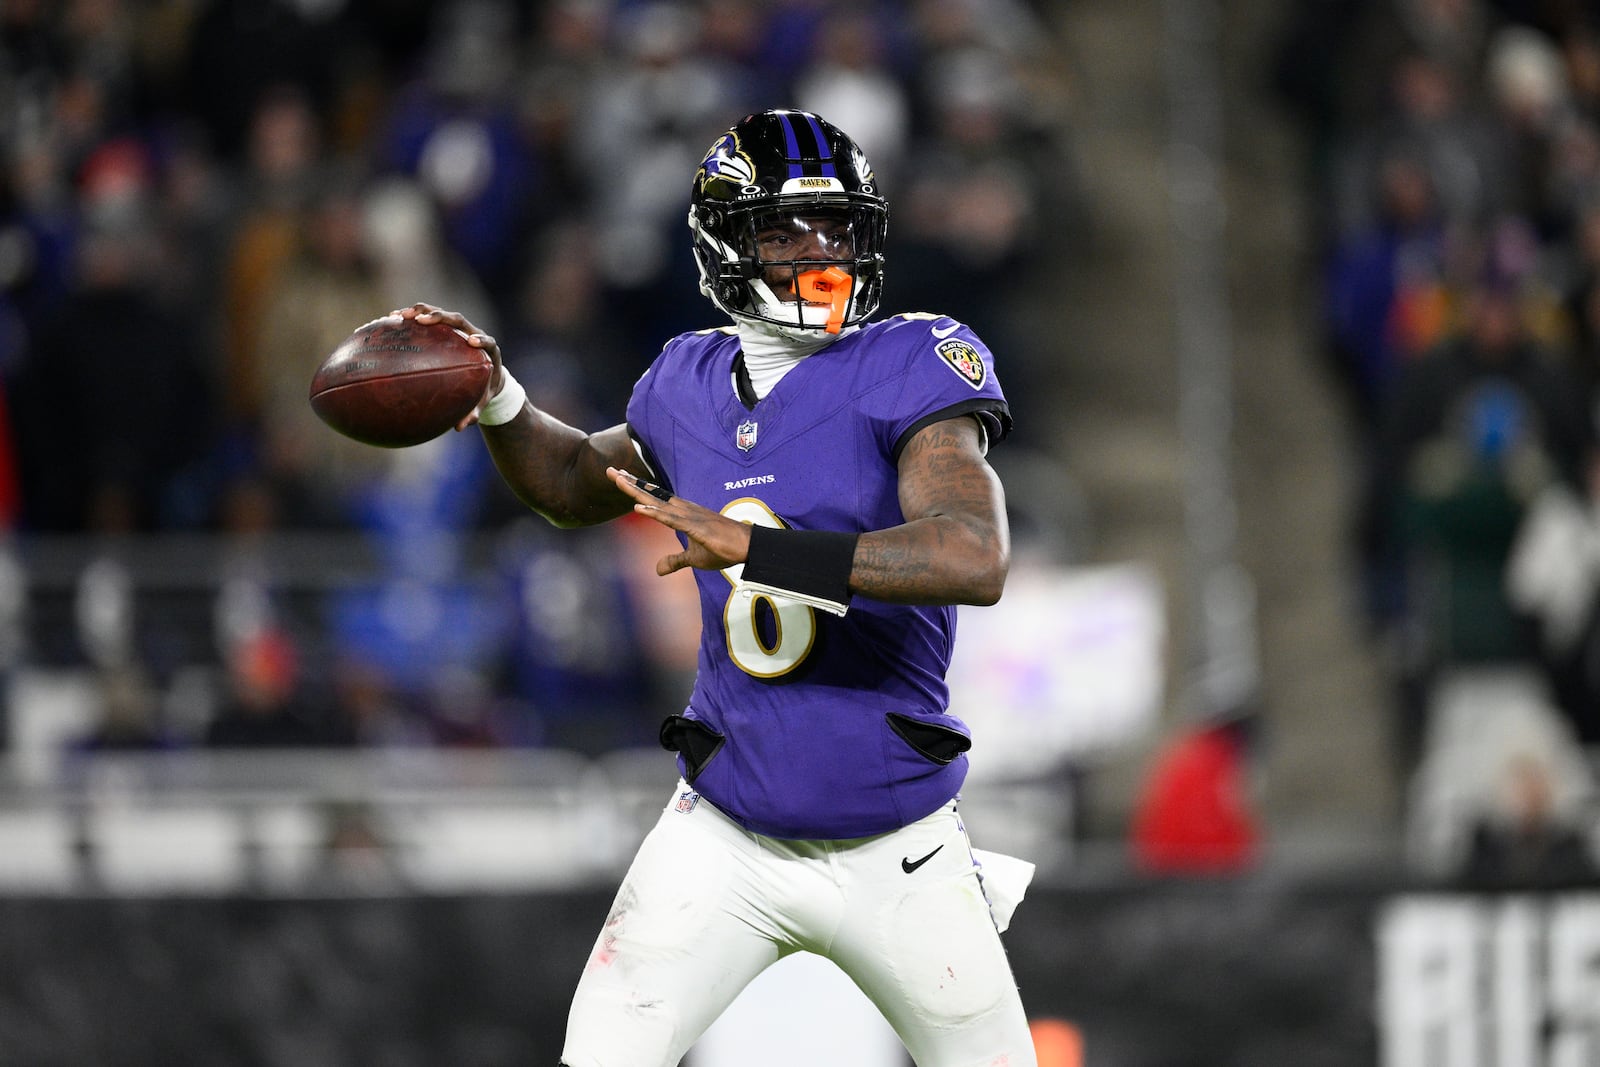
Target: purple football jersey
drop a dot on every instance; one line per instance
(806, 724)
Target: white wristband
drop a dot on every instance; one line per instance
(504, 405)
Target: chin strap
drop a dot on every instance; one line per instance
(832, 287)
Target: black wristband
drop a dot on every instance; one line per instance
(814, 563)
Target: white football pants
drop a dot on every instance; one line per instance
(706, 906)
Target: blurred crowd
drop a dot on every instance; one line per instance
(1455, 162)
(199, 199)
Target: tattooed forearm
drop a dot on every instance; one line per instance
(954, 546)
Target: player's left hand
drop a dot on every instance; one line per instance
(715, 541)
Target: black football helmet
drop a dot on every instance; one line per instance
(789, 224)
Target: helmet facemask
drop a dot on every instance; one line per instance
(806, 266)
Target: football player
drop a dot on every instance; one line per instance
(826, 477)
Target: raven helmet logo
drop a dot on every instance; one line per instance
(962, 358)
(864, 169)
(726, 170)
(745, 436)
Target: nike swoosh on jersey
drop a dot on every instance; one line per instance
(908, 866)
(946, 332)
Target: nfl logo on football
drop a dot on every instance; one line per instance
(745, 438)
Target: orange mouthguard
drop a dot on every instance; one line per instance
(831, 287)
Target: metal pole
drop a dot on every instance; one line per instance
(1222, 673)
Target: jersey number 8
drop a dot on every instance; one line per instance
(767, 636)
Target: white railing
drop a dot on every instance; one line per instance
(403, 820)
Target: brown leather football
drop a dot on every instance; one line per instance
(395, 383)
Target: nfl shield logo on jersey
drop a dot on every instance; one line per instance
(745, 438)
(686, 802)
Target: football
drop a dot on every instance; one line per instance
(396, 383)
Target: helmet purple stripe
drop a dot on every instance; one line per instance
(791, 147)
(824, 153)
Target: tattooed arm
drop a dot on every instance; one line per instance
(955, 546)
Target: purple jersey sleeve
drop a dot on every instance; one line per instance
(944, 370)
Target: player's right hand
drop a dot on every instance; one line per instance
(715, 541)
(427, 313)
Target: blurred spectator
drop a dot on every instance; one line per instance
(748, 35)
(239, 51)
(421, 617)
(971, 203)
(1570, 179)
(1451, 32)
(1470, 436)
(1428, 118)
(1427, 55)
(1582, 302)
(1526, 85)
(129, 718)
(42, 219)
(461, 709)
(651, 118)
(368, 711)
(1525, 843)
(1553, 576)
(325, 290)
(283, 168)
(573, 654)
(265, 704)
(561, 340)
(196, 207)
(1386, 292)
(1502, 787)
(141, 412)
(1194, 815)
(455, 130)
(1580, 48)
(105, 615)
(851, 83)
(566, 57)
(400, 230)
(1003, 27)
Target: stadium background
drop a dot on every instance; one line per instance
(320, 755)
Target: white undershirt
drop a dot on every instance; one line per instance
(768, 356)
